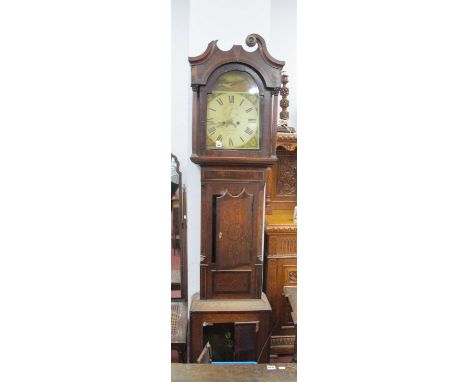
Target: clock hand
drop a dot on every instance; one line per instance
(230, 122)
(218, 124)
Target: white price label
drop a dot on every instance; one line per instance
(219, 144)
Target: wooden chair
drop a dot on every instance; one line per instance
(179, 309)
(179, 329)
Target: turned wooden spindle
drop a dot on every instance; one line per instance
(284, 103)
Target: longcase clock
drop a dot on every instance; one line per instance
(235, 98)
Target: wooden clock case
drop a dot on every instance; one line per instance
(265, 71)
(233, 186)
(233, 181)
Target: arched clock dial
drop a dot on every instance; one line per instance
(232, 121)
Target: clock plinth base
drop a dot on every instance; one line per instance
(251, 319)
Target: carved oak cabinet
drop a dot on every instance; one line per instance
(281, 241)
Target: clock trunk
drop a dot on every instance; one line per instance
(231, 231)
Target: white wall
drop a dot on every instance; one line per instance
(227, 21)
(194, 24)
(283, 45)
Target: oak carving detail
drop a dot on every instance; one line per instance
(287, 176)
(292, 276)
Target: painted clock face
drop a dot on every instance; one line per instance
(233, 113)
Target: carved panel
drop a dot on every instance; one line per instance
(283, 341)
(289, 275)
(292, 275)
(282, 245)
(287, 175)
(282, 178)
(287, 141)
(287, 245)
(283, 344)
